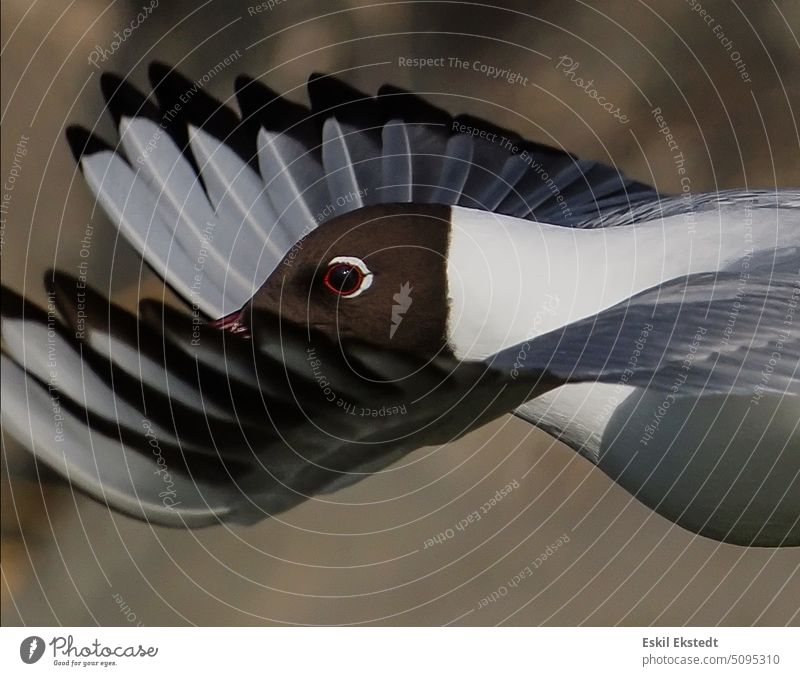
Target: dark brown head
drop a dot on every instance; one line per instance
(378, 274)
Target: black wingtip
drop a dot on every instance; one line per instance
(253, 97)
(11, 303)
(329, 91)
(109, 83)
(57, 281)
(15, 306)
(169, 84)
(123, 99)
(63, 288)
(242, 82)
(411, 107)
(264, 106)
(329, 95)
(159, 72)
(83, 142)
(161, 316)
(83, 307)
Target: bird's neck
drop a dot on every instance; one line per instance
(510, 280)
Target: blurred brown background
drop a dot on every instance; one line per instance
(67, 560)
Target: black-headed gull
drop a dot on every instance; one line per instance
(369, 275)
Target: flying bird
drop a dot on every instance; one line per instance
(365, 275)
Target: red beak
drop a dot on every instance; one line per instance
(233, 323)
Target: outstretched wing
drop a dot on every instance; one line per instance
(127, 422)
(193, 185)
(710, 333)
(176, 422)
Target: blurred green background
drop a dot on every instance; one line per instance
(361, 557)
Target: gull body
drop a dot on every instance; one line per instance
(363, 254)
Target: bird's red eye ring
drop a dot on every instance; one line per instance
(347, 276)
(343, 279)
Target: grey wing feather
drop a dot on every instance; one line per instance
(124, 436)
(397, 162)
(455, 170)
(701, 334)
(130, 203)
(295, 184)
(99, 464)
(342, 150)
(664, 206)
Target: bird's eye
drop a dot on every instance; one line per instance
(343, 279)
(347, 276)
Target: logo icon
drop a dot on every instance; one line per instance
(31, 649)
(402, 301)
